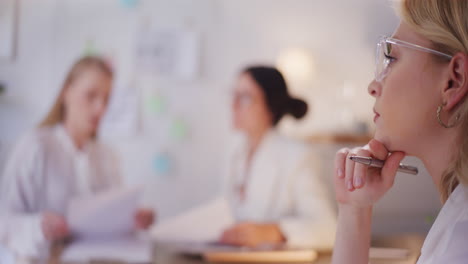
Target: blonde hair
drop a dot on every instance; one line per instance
(57, 112)
(445, 24)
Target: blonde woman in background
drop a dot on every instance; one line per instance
(59, 160)
(421, 109)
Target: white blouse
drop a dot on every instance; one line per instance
(447, 241)
(283, 186)
(43, 173)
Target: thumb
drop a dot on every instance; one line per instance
(378, 149)
(390, 167)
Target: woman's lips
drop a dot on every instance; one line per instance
(376, 116)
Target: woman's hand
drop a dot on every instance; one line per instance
(358, 187)
(252, 235)
(144, 218)
(54, 226)
(361, 186)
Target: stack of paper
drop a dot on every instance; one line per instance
(126, 249)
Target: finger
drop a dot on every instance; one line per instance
(146, 222)
(234, 238)
(63, 229)
(225, 234)
(63, 224)
(242, 237)
(150, 216)
(340, 159)
(390, 168)
(224, 237)
(55, 225)
(360, 170)
(62, 234)
(378, 149)
(349, 170)
(138, 214)
(227, 237)
(140, 224)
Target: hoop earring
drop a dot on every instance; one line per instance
(439, 109)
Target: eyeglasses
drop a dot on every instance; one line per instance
(383, 59)
(242, 98)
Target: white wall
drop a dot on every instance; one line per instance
(340, 36)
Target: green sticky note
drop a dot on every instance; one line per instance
(89, 48)
(179, 130)
(156, 104)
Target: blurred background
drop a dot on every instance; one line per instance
(176, 63)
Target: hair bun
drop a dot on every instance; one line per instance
(297, 108)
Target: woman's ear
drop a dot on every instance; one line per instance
(457, 85)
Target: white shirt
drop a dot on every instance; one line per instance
(283, 186)
(43, 173)
(447, 241)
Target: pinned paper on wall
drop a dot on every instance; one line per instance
(7, 28)
(169, 53)
(121, 120)
(179, 129)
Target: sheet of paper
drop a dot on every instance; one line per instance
(168, 52)
(122, 118)
(129, 249)
(7, 28)
(201, 224)
(109, 213)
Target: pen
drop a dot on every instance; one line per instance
(380, 163)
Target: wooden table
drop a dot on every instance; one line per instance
(165, 254)
(413, 243)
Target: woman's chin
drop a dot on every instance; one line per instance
(384, 139)
(393, 144)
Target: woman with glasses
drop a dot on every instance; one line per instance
(420, 91)
(273, 184)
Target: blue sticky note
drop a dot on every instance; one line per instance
(162, 164)
(129, 3)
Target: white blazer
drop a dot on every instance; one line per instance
(447, 241)
(43, 173)
(283, 186)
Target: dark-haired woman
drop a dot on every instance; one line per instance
(273, 184)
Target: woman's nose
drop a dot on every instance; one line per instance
(374, 88)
